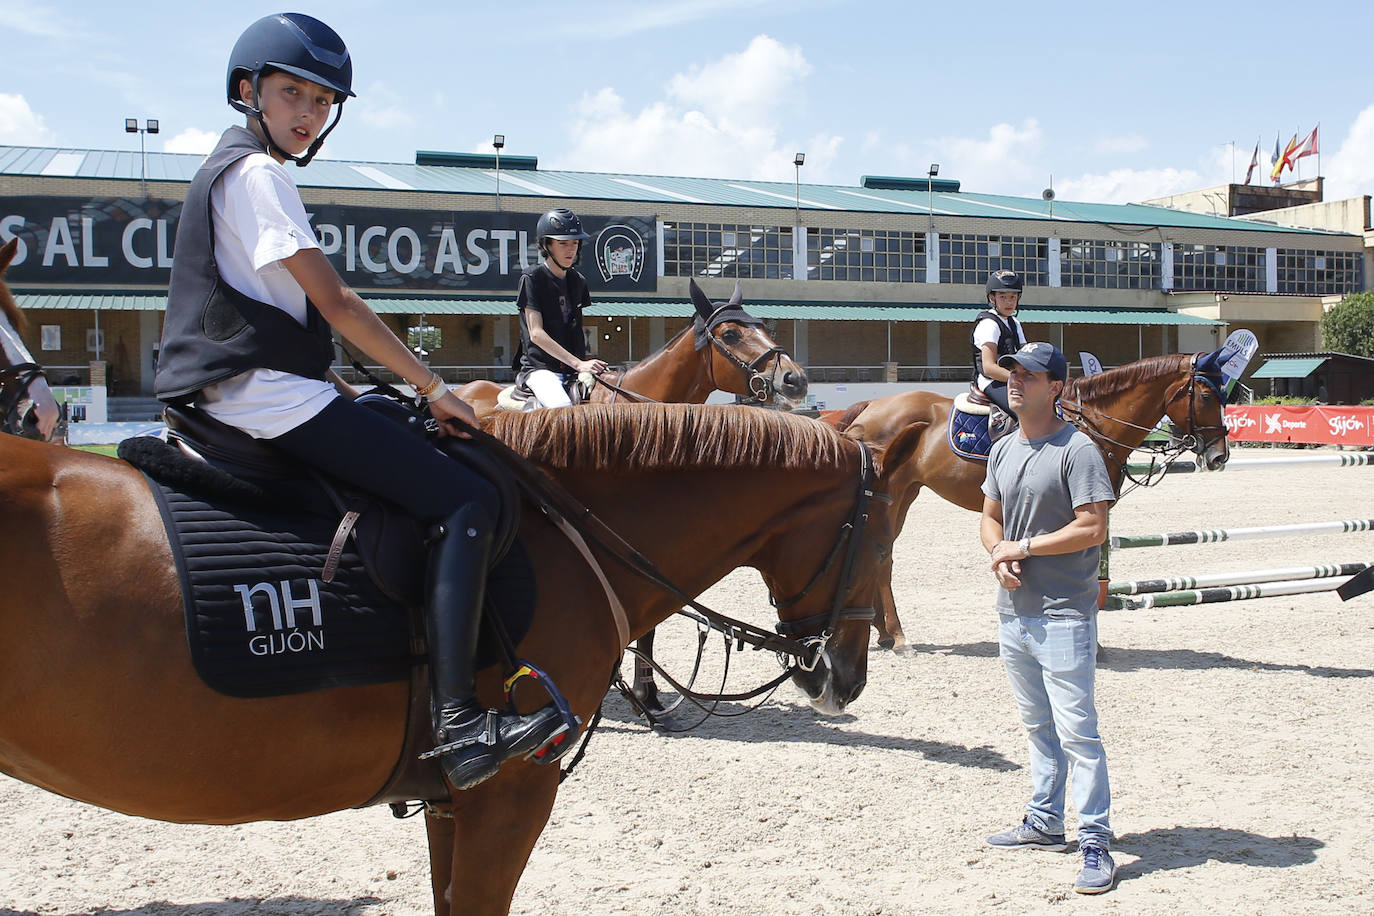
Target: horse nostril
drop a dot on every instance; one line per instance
(794, 381)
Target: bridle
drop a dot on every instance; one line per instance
(806, 651)
(1090, 420)
(760, 383)
(14, 384)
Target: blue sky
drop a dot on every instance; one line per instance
(1116, 101)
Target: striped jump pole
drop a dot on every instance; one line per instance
(1186, 466)
(1231, 593)
(1178, 583)
(1216, 535)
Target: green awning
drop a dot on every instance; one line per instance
(447, 305)
(1289, 368)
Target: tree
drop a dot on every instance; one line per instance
(1349, 326)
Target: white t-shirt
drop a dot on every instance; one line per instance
(259, 220)
(988, 331)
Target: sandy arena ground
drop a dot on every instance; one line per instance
(1238, 734)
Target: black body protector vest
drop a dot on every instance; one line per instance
(212, 331)
(1010, 340)
(544, 293)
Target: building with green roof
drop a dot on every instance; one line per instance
(864, 283)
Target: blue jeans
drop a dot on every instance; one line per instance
(1052, 663)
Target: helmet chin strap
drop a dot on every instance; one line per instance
(255, 112)
(548, 253)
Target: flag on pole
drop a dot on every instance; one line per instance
(1284, 159)
(1274, 161)
(1254, 163)
(1308, 147)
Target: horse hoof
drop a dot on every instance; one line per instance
(886, 642)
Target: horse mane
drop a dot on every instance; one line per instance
(11, 308)
(1115, 381)
(641, 437)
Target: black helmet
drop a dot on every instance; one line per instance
(561, 224)
(1004, 281)
(297, 44)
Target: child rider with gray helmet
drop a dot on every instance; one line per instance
(550, 300)
(248, 340)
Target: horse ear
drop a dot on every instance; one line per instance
(738, 298)
(7, 253)
(703, 304)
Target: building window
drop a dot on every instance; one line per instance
(1109, 264)
(727, 250)
(1320, 273)
(1221, 268)
(970, 258)
(865, 255)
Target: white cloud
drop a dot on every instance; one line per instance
(36, 19)
(722, 119)
(381, 108)
(1121, 186)
(1348, 170)
(743, 87)
(192, 140)
(21, 125)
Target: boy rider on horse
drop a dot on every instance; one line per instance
(247, 339)
(550, 300)
(997, 333)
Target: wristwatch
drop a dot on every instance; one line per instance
(1024, 544)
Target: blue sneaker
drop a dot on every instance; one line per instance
(1099, 871)
(1027, 835)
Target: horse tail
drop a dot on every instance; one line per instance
(850, 415)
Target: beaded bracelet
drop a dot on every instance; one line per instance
(429, 387)
(435, 394)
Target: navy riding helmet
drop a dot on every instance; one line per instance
(297, 44)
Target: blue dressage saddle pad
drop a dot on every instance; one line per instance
(968, 435)
(260, 620)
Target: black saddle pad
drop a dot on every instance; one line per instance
(260, 620)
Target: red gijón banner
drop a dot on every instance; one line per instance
(1338, 425)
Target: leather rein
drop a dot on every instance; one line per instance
(555, 502)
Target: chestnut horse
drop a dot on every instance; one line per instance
(723, 349)
(1117, 408)
(99, 700)
(27, 406)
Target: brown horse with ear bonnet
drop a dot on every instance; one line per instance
(99, 700)
(1116, 408)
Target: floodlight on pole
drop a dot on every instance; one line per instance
(497, 142)
(150, 127)
(799, 160)
(930, 191)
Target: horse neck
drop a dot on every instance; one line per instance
(797, 516)
(675, 374)
(1120, 420)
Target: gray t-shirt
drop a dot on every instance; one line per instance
(1039, 483)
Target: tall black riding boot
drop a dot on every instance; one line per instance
(471, 742)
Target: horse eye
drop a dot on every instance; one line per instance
(730, 336)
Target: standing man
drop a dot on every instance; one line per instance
(1044, 517)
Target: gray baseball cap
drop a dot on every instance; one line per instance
(1039, 357)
